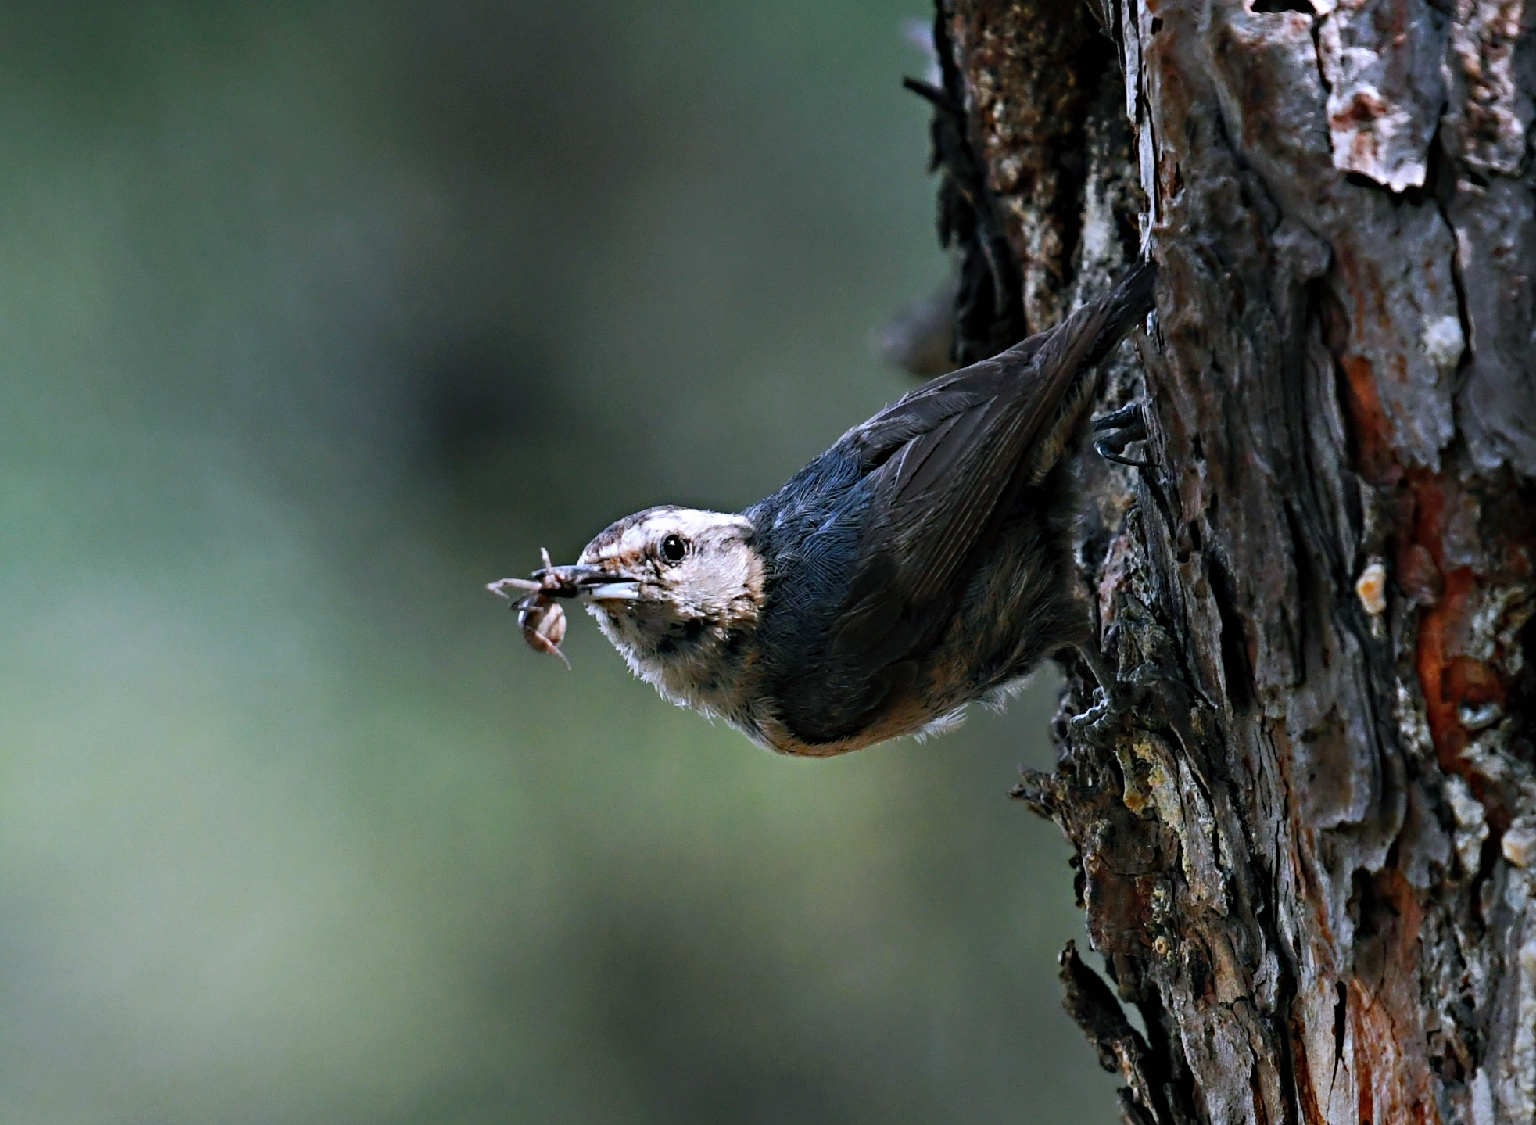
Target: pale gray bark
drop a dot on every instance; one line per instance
(1309, 855)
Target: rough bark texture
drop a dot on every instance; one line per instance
(1308, 851)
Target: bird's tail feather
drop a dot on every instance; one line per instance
(1127, 303)
(1070, 355)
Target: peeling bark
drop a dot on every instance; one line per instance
(1308, 851)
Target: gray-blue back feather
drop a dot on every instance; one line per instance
(870, 548)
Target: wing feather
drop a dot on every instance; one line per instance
(942, 464)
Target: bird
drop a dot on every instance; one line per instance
(919, 565)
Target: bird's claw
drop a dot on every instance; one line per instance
(1099, 719)
(1111, 699)
(1095, 714)
(1121, 428)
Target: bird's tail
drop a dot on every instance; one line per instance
(1127, 303)
(1068, 358)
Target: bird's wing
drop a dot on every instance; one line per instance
(944, 462)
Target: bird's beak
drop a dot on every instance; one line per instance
(589, 583)
(625, 591)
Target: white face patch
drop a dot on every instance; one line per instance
(685, 628)
(717, 578)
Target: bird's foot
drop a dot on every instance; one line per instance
(1110, 702)
(1121, 428)
(1096, 722)
(1116, 699)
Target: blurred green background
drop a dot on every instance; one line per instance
(317, 317)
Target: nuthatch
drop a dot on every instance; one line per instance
(919, 565)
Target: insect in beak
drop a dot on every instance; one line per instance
(538, 610)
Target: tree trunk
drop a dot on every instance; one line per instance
(1308, 852)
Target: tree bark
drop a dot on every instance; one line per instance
(1308, 851)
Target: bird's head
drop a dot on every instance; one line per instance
(678, 592)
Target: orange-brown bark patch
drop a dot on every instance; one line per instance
(1374, 456)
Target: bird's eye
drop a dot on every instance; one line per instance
(673, 548)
